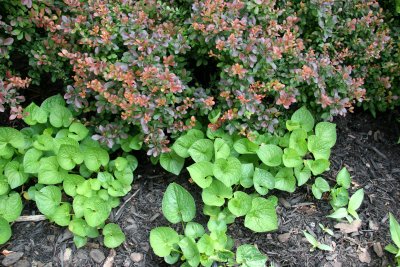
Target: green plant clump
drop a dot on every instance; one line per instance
(237, 175)
(70, 176)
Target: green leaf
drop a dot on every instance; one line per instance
(270, 155)
(84, 189)
(245, 146)
(60, 117)
(16, 176)
(10, 206)
(5, 231)
(246, 179)
(43, 142)
(113, 235)
(178, 204)
(95, 157)
(214, 115)
(324, 247)
(303, 174)
(221, 149)
(297, 141)
(338, 214)
(318, 147)
(136, 142)
(227, 171)
(194, 230)
(79, 241)
(49, 171)
(78, 131)
(313, 241)
(304, 118)
(201, 173)
(79, 227)
(7, 152)
(78, 204)
(339, 197)
(291, 158)
(319, 187)
(33, 114)
(250, 256)
(262, 217)
(356, 200)
(31, 160)
(240, 204)
(62, 214)
(326, 132)
(172, 162)
(394, 230)
(285, 181)
(125, 176)
(292, 125)
(201, 150)
(190, 251)
(322, 184)
(263, 181)
(343, 178)
(4, 186)
(317, 166)
(48, 199)
(162, 240)
(52, 102)
(12, 137)
(68, 156)
(96, 211)
(392, 249)
(183, 143)
(206, 245)
(215, 194)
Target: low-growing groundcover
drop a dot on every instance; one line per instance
(286, 246)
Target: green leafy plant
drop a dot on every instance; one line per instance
(237, 175)
(315, 244)
(195, 246)
(70, 176)
(343, 205)
(395, 234)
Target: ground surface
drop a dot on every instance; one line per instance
(366, 146)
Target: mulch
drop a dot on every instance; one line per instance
(367, 146)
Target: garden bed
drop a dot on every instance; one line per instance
(367, 146)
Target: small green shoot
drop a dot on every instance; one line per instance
(315, 244)
(395, 234)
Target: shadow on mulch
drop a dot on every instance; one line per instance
(365, 145)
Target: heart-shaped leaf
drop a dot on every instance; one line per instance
(263, 181)
(291, 158)
(194, 230)
(49, 171)
(285, 181)
(50, 103)
(303, 174)
(15, 173)
(246, 179)
(10, 206)
(113, 235)
(270, 155)
(62, 214)
(227, 171)
(304, 118)
(172, 162)
(71, 183)
(190, 251)
(95, 157)
(183, 143)
(178, 204)
(318, 147)
(201, 173)
(31, 160)
(201, 150)
(297, 141)
(245, 146)
(221, 149)
(215, 194)
(343, 178)
(326, 132)
(162, 240)
(240, 204)
(48, 199)
(68, 156)
(250, 256)
(34, 114)
(317, 166)
(262, 216)
(5, 231)
(12, 137)
(96, 211)
(77, 131)
(60, 117)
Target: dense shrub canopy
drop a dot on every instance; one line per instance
(165, 66)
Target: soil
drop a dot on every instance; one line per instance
(367, 146)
